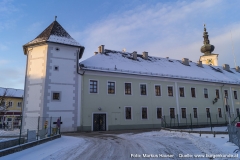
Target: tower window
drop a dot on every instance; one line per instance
(56, 96)
(56, 68)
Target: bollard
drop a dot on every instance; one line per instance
(200, 133)
(214, 134)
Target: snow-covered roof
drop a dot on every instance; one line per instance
(12, 92)
(54, 33)
(122, 62)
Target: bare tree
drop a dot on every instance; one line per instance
(4, 101)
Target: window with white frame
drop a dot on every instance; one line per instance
(128, 113)
(219, 113)
(128, 89)
(157, 90)
(181, 91)
(237, 110)
(184, 115)
(235, 94)
(195, 115)
(208, 112)
(217, 94)
(205, 93)
(159, 113)
(10, 104)
(172, 112)
(93, 86)
(111, 87)
(144, 112)
(143, 89)
(170, 91)
(193, 93)
(226, 93)
(19, 104)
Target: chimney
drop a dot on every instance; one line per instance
(95, 53)
(145, 55)
(167, 57)
(237, 69)
(101, 49)
(226, 67)
(199, 63)
(135, 55)
(185, 61)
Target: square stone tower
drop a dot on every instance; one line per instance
(52, 83)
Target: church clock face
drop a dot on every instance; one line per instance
(210, 61)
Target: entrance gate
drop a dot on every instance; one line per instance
(99, 122)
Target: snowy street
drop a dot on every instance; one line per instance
(136, 145)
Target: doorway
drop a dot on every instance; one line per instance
(99, 122)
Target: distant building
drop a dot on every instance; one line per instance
(119, 90)
(11, 108)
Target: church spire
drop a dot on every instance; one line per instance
(207, 48)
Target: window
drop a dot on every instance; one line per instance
(144, 113)
(159, 113)
(93, 86)
(235, 94)
(195, 113)
(19, 104)
(111, 87)
(170, 91)
(219, 113)
(56, 96)
(56, 68)
(128, 113)
(157, 90)
(172, 113)
(208, 112)
(128, 88)
(225, 93)
(193, 92)
(237, 111)
(205, 93)
(10, 104)
(3, 104)
(143, 89)
(181, 91)
(184, 113)
(217, 94)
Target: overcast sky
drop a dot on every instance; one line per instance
(165, 29)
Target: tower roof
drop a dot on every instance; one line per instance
(54, 33)
(207, 48)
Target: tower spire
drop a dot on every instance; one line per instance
(207, 48)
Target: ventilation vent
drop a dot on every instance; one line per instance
(199, 64)
(135, 55)
(237, 69)
(145, 55)
(226, 67)
(185, 61)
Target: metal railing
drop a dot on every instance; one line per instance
(196, 121)
(234, 135)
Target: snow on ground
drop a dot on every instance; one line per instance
(14, 132)
(123, 146)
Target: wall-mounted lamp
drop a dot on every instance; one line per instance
(99, 108)
(215, 100)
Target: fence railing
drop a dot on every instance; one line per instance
(234, 135)
(30, 128)
(196, 120)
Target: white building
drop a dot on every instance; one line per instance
(118, 90)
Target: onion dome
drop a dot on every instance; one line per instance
(207, 48)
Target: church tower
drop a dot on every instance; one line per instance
(208, 58)
(52, 83)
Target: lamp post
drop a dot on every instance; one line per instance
(227, 109)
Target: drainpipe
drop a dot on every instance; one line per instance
(177, 102)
